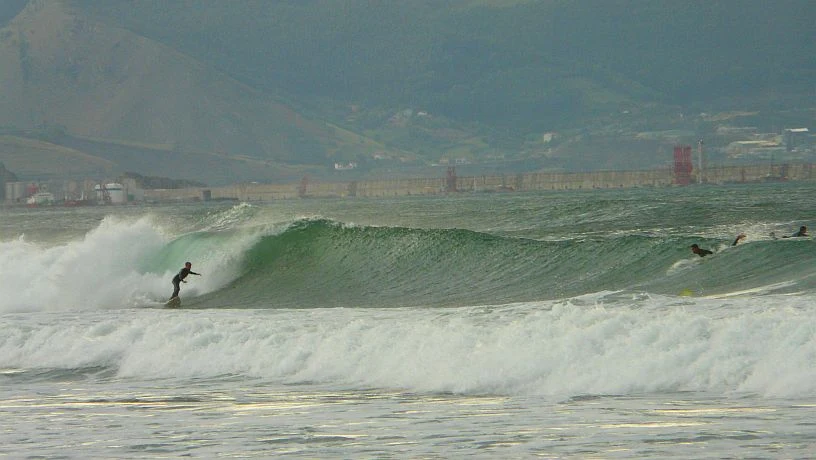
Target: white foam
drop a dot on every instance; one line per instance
(647, 344)
(102, 270)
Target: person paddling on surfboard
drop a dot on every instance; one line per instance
(179, 278)
(700, 251)
(803, 231)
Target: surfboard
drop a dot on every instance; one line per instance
(174, 302)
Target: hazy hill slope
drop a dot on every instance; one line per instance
(225, 91)
(32, 158)
(105, 82)
(9, 9)
(499, 62)
(63, 70)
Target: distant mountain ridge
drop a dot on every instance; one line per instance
(79, 76)
(236, 91)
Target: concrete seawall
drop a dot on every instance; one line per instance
(517, 182)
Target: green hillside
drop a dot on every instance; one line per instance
(30, 157)
(295, 86)
(504, 63)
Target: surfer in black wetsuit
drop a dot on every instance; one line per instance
(700, 251)
(179, 278)
(802, 232)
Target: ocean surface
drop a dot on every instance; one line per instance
(567, 324)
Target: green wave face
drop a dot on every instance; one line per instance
(323, 263)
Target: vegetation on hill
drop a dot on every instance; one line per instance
(6, 175)
(33, 158)
(523, 65)
(9, 9)
(259, 90)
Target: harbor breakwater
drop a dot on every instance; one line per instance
(521, 182)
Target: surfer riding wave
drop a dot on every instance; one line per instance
(179, 278)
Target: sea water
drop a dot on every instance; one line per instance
(566, 324)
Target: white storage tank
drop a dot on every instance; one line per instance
(116, 192)
(110, 193)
